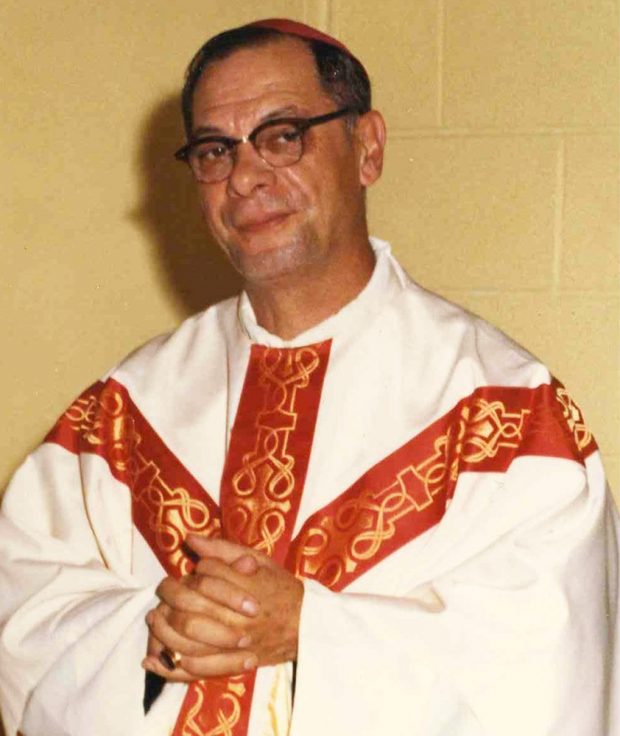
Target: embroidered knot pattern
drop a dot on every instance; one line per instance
(374, 517)
(264, 484)
(106, 423)
(198, 722)
(574, 418)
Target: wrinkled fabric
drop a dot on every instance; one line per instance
(500, 618)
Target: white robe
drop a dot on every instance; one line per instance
(501, 619)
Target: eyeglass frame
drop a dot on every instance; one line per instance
(302, 124)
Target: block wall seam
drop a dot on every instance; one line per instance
(332, 14)
(408, 133)
(558, 220)
(441, 41)
(593, 291)
(320, 13)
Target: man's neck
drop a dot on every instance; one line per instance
(294, 304)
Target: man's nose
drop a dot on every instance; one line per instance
(249, 171)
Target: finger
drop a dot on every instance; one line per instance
(221, 591)
(178, 674)
(214, 567)
(192, 633)
(154, 646)
(190, 596)
(197, 668)
(217, 665)
(224, 550)
(176, 594)
(226, 634)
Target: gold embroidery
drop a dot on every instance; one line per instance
(265, 482)
(355, 532)
(489, 428)
(170, 512)
(574, 418)
(226, 718)
(105, 422)
(279, 706)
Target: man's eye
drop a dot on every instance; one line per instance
(279, 138)
(213, 151)
(289, 133)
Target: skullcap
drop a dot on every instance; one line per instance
(295, 28)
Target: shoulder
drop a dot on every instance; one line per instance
(200, 340)
(450, 336)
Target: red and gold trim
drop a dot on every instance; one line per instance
(395, 501)
(407, 493)
(261, 490)
(167, 501)
(270, 446)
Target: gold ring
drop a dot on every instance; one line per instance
(169, 658)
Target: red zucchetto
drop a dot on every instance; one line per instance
(295, 28)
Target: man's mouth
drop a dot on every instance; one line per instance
(262, 221)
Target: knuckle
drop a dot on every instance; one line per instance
(177, 676)
(182, 624)
(195, 628)
(231, 621)
(190, 629)
(157, 622)
(192, 582)
(174, 618)
(183, 599)
(194, 667)
(203, 585)
(231, 637)
(210, 566)
(164, 586)
(161, 613)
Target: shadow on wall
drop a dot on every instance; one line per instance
(194, 270)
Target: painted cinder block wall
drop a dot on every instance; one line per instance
(500, 189)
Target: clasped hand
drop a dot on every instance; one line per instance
(239, 610)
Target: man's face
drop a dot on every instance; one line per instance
(277, 222)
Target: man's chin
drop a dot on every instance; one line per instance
(271, 264)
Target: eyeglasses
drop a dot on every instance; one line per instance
(278, 142)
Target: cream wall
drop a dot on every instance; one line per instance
(500, 189)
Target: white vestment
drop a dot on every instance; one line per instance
(498, 620)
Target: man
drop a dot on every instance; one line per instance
(340, 503)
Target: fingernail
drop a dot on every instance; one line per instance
(147, 665)
(245, 641)
(149, 618)
(249, 606)
(250, 663)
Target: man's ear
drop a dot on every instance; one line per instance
(370, 133)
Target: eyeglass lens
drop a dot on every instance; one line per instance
(280, 144)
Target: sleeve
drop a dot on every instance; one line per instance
(71, 610)
(510, 629)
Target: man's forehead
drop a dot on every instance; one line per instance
(281, 67)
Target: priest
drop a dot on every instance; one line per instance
(335, 504)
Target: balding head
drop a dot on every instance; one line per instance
(340, 74)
